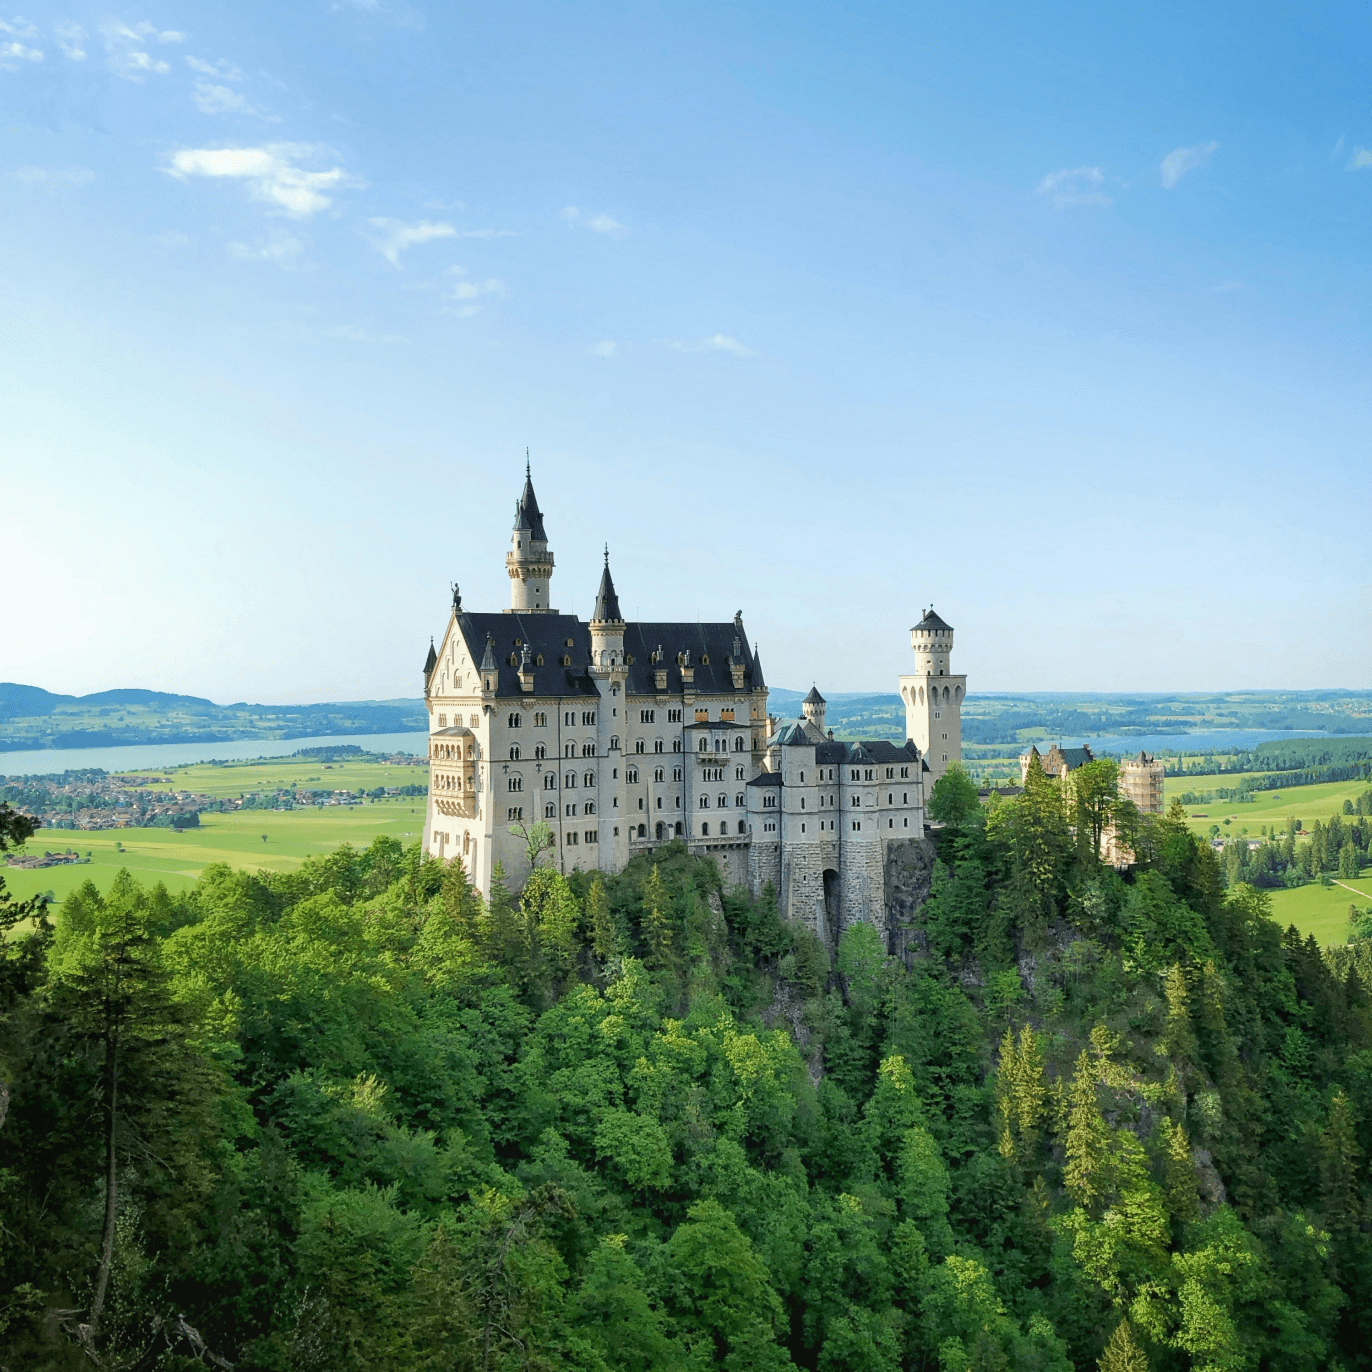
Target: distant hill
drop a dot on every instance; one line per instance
(32, 718)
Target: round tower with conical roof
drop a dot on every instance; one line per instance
(607, 623)
(933, 695)
(812, 710)
(529, 562)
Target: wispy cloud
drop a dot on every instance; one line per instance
(467, 293)
(396, 236)
(354, 333)
(1182, 160)
(281, 248)
(222, 70)
(212, 99)
(71, 38)
(14, 51)
(1074, 186)
(487, 233)
(607, 347)
(271, 173)
(55, 176)
(128, 48)
(597, 223)
(716, 343)
(1361, 159)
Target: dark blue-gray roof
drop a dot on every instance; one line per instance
(527, 513)
(555, 637)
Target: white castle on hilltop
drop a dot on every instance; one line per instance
(623, 736)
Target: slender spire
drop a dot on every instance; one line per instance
(527, 514)
(606, 601)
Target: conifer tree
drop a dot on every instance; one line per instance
(1122, 1354)
(1088, 1137)
(1021, 1094)
(1338, 1164)
(657, 923)
(603, 928)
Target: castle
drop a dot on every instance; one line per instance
(620, 736)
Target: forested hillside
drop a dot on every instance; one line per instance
(356, 1117)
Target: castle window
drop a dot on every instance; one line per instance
(569, 810)
(676, 745)
(855, 777)
(657, 745)
(550, 812)
(658, 774)
(676, 773)
(588, 779)
(570, 839)
(738, 774)
(890, 772)
(738, 800)
(704, 744)
(569, 716)
(614, 743)
(540, 751)
(647, 716)
(802, 828)
(673, 716)
(540, 719)
(659, 830)
(738, 744)
(705, 802)
(659, 802)
(571, 781)
(592, 836)
(638, 746)
(631, 774)
(905, 824)
(588, 716)
(588, 750)
(569, 750)
(640, 802)
(802, 778)
(679, 829)
(570, 644)
(516, 721)
(589, 807)
(514, 752)
(890, 824)
(723, 802)
(802, 802)
(515, 812)
(857, 824)
(550, 782)
(904, 772)
(905, 797)
(869, 774)
(857, 801)
(473, 720)
(515, 784)
(890, 799)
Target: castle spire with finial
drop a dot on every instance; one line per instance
(529, 562)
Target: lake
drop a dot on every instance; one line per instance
(153, 756)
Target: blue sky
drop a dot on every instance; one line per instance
(1056, 318)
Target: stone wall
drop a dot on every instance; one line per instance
(863, 884)
(909, 878)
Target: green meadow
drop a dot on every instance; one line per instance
(1323, 910)
(237, 838)
(269, 774)
(1270, 808)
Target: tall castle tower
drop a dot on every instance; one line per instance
(529, 562)
(933, 697)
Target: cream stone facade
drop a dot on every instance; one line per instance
(621, 736)
(933, 695)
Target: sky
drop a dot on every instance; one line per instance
(1055, 318)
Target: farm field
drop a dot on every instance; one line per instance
(178, 859)
(1306, 803)
(270, 774)
(1322, 910)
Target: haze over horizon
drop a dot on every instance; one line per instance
(1058, 323)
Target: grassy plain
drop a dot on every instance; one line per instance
(273, 773)
(1322, 910)
(178, 859)
(1270, 808)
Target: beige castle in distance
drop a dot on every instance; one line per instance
(621, 736)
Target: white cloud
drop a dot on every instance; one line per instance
(223, 70)
(605, 348)
(70, 38)
(19, 27)
(1074, 186)
(1182, 160)
(599, 223)
(55, 176)
(281, 248)
(211, 99)
(1361, 159)
(396, 236)
(487, 233)
(355, 334)
(716, 343)
(13, 54)
(127, 45)
(270, 172)
(466, 293)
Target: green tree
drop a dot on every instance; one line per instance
(657, 919)
(1122, 1353)
(1095, 795)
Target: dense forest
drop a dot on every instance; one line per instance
(359, 1117)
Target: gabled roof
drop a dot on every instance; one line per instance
(814, 698)
(933, 623)
(606, 601)
(527, 514)
(708, 647)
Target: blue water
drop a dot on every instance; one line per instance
(152, 756)
(1203, 741)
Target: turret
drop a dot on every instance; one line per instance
(933, 695)
(529, 562)
(607, 623)
(812, 710)
(430, 663)
(932, 640)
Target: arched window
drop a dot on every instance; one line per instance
(571, 780)
(540, 751)
(516, 721)
(678, 829)
(643, 831)
(705, 802)
(738, 800)
(639, 746)
(569, 750)
(550, 781)
(945, 695)
(657, 745)
(723, 802)
(957, 692)
(514, 752)
(921, 695)
(614, 743)
(704, 744)
(657, 773)
(588, 750)
(738, 744)
(631, 774)
(705, 831)
(588, 779)
(659, 830)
